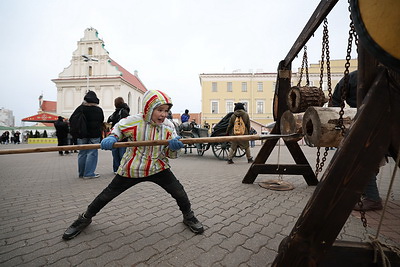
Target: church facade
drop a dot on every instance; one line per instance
(93, 69)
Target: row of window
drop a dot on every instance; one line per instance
(260, 86)
(229, 106)
(229, 87)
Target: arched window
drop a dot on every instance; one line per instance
(90, 51)
(90, 71)
(139, 105)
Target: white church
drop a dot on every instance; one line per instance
(92, 69)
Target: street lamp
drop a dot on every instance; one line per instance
(87, 59)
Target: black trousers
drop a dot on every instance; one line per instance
(166, 179)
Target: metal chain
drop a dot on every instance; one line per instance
(325, 50)
(317, 162)
(304, 64)
(345, 88)
(328, 63)
(320, 164)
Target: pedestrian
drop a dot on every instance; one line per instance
(252, 132)
(94, 117)
(17, 134)
(239, 112)
(121, 111)
(185, 116)
(143, 164)
(62, 131)
(370, 199)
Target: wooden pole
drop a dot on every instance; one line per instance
(218, 139)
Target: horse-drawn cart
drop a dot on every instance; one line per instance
(220, 150)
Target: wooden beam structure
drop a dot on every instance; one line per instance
(374, 133)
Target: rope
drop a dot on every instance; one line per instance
(279, 156)
(388, 194)
(379, 250)
(375, 243)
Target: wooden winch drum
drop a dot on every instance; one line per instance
(320, 125)
(292, 123)
(299, 99)
(377, 23)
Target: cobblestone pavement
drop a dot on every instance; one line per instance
(41, 195)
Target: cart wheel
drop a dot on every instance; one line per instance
(201, 148)
(240, 152)
(221, 150)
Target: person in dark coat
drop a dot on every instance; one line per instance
(87, 159)
(62, 130)
(371, 199)
(239, 112)
(121, 111)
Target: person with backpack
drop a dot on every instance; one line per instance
(86, 124)
(239, 124)
(143, 163)
(121, 111)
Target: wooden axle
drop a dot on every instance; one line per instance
(218, 139)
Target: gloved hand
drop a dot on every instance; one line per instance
(175, 144)
(108, 142)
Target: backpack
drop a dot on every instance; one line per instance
(115, 117)
(78, 127)
(238, 127)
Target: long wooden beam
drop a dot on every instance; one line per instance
(217, 139)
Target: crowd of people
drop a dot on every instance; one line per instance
(10, 138)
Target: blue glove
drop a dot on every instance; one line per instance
(108, 142)
(175, 144)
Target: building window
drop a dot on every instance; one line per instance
(245, 104)
(244, 86)
(90, 51)
(260, 107)
(229, 106)
(214, 107)
(260, 87)
(229, 87)
(214, 87)
(90, 71)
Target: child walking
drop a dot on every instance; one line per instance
(143, 164)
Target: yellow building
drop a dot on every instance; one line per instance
(256, 90)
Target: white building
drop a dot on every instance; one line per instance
(92, 69)
(6, 117)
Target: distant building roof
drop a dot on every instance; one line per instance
(129, 77)
(49, 106)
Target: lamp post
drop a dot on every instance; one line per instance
(87, 59)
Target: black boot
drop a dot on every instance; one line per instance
(76, 227)
(191, 221)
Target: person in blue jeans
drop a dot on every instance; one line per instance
(87, 159)
(121, 111)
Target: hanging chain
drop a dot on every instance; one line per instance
(345, 88)
(304, 65)
(328, 63)
(325, 50)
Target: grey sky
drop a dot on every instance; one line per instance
(169, 42)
